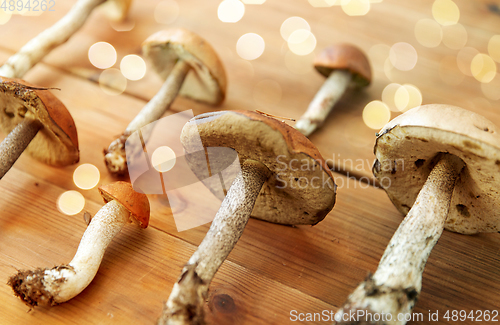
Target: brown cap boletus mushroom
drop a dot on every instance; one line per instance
(63, 282)
(34, 51)
(190, 68)
(439, 166)
(283, 179)
(344, 66)
(36, 121)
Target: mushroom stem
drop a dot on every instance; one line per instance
(33, 51)
(323, 102)
(115, 157)
(395, 286)
(16, 142)
(63, 282)
(185, 304)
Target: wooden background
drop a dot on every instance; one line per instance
(273, 269)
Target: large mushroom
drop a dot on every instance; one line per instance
(283, 179)
(52, 286)
(190, 68)
(34, 51)
(36, 121)
(344, 66)
(442, 173)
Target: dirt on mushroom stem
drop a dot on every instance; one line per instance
(185, 304)
(395, 286)
(115, 156)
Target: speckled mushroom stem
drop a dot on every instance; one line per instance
(16, 142)
(63, 282)
(115, 157)
(394, 288)
(323, 102)
(31, 53)
(185, 304)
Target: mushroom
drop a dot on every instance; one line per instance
(283, 179)
(345, 66)
(442, 161)
(36, 121)
(190, 68)
(34, 51)
(63, 282)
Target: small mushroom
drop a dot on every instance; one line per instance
(61, 283)
(36, 122)
(34, 51)
(443, 162)
(283, 179)
(190, 68)
(345, 66)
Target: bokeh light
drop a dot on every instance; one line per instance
(388, 69)
(407, 96)
(122, 26)
(86, 176)
(445, 12)
(491, 90)
(102, 55)
(267, 92)
(231, 11)
(250, 46)
(389, 95)
(483, 68)
(302, 42)
(376, 114)
(450, 72)
(428, 33)
(4, 17)
(494, 47)
(71, 202)
(454, 36)
(323, 3)
(112, 82)
(403, 56)
(464, 59)
(166, 11)
(133, 67)
(299, 64)
(292, 24)
(356, 7)
(163, 159)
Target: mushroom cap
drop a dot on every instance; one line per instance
(409, 145)
(136, 203)
(345, 57)
(301, 188)
(56, 143)
(206, 81)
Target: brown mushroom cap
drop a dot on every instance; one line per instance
(408, 147)
(136, 203)
(301, 189)
(57, 143)
(206, 82)
(345, 57)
